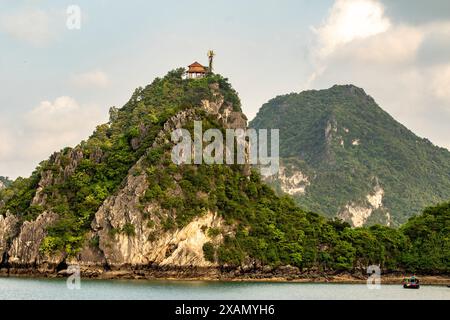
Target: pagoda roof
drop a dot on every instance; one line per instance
(196, 68)
(195, 64)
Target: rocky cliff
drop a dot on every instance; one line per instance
(124, 231)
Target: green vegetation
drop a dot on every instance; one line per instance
(17, 197)
(129, 230)
(107, 157)
(429, 237)
(281, 234)
(209, 251)
(274, 231)
(214, 232)
(261, 227)
(346, 144)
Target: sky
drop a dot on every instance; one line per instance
(58, 82)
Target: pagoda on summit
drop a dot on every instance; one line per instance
(196, 70)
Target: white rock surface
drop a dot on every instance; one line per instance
(294, 183)
(358, 214)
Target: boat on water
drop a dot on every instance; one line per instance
(411, 283)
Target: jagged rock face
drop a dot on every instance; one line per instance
(229, 118)
(236, 120)
(224, 112)
(148, 243)
(358, 214)
(118, 211)
(25, 247)
(188, 242)
(96, 156)
(66, 168)
(182, 248)
(136, 142)
(330, 128)
(123, 232)
(293, 182)
(9, 227)
(89, 256)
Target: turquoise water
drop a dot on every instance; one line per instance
(56, 289)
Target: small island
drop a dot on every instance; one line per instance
(117, 207)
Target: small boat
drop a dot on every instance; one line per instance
(411, 283)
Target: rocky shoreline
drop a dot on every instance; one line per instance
(283, 274)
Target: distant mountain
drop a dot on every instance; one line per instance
(4, 182)
(343, 156)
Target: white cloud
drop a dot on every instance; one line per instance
(60, 123)
(440, 84)
(397, 46)
(350, 20)
(398, 64)
(29, 25)
(48, 127)
(97, 79)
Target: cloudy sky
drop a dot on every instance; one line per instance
(57, 83)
